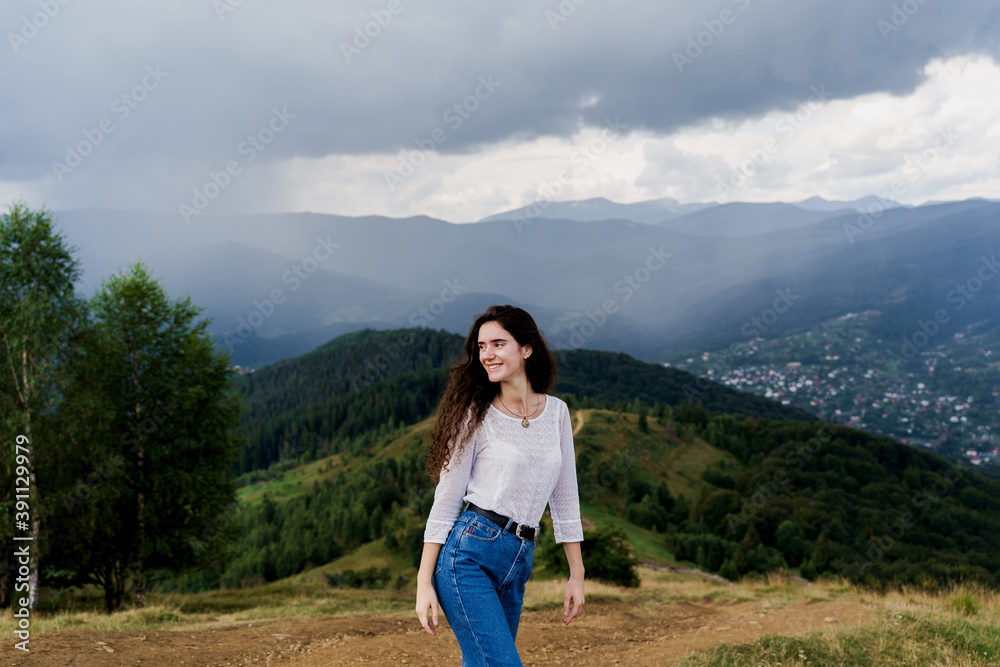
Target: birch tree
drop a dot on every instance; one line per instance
(39, 313)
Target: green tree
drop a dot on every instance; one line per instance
(649, 514)
(39, 311)
(375, 524)
(174, 433)
(643, 418)
(680, 512)
(791, 541)
(663, 497)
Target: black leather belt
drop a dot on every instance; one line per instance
(517, 529)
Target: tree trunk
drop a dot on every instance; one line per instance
(114, 588)
(34, 503)
(140, 583)
(109, 595)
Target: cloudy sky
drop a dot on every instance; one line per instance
(459, 110)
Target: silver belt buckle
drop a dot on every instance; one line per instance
(517, 531)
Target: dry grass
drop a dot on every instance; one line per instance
(958, 627)
(660, 588)
(179, 611)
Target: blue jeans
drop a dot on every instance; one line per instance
(479, 580)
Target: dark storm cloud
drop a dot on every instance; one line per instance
(227, 66)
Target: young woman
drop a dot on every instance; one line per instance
(504, 446)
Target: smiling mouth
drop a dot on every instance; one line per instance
(493, 367)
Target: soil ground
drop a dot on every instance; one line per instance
(606, 633)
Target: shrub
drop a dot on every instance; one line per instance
(370, 578)
(792, 542)
(649, 514)
(963, 604)
(606, 557)
(713, 550)
(716, 477)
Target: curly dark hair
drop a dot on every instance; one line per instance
(469, 391)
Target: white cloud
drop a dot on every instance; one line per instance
(838, 149)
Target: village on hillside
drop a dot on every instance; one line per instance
(842, 373)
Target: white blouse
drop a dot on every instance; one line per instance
(513, 471)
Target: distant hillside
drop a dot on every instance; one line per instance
(909, 264)
(327, 400)
(611, 377)
(592, 210)
(655, 211)
(343, 364)
(820, 204)
(943, 395)
(734, 496)
(739, 220)
(276, 285)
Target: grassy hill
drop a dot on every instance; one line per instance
(362, 385)
(622, 450)
(722, 487)
(713, 492)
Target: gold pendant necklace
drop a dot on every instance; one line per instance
(524, 421)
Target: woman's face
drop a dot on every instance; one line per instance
(499, 353)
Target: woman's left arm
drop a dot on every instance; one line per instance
(564, 505)
(574, 587)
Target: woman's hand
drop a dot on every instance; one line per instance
(426, 596)
(574, 587)
(574, 594)
(427, 599)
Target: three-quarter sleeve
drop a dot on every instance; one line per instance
(450, 491)
(564, 503)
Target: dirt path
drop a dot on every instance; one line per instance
(606, 633)
(580, 419)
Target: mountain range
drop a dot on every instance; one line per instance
(278, 285)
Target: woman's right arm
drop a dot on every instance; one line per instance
(452, 485)
(426, 597)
